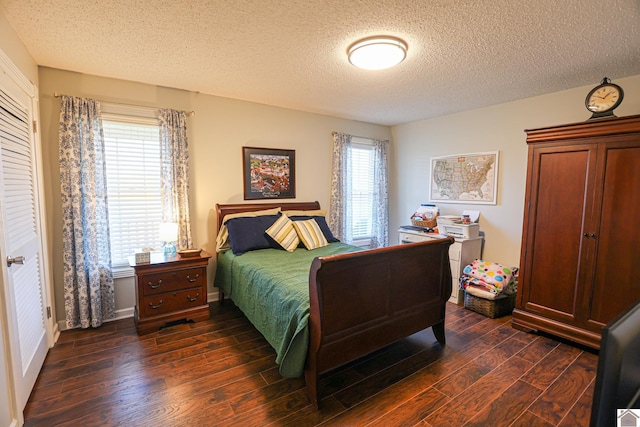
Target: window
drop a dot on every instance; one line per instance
(359, 209)
(362, 188)
(132, 158)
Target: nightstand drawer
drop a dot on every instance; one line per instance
(172, 301)
(153, 284)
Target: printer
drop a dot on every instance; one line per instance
(452, 225)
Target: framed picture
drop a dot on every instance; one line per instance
(465, 178)
(269, 173)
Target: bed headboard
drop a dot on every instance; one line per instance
(222, 210)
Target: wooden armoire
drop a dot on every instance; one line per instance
(580, 254)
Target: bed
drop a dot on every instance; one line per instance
(325, 307)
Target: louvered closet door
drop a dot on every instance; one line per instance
(24, 292)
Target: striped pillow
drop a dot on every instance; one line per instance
(310, 233)
(284, 233)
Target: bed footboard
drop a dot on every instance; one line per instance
(365, 300)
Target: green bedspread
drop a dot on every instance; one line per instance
(271, 287)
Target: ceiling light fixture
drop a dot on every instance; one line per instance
(377, 53)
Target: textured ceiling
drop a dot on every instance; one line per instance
(291, 53)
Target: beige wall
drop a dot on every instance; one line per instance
(500, 127)
(217, 131)
(18, 56)
(221, 126)
(12, 46)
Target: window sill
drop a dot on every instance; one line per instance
(362, 242)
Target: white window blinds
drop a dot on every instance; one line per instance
(132, 146)
(362, 187)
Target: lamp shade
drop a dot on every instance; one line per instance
(168, 232)
(377, 53)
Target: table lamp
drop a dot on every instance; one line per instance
(169, 235)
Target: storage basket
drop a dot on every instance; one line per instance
(427, 223)
(501, 306)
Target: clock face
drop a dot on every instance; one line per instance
(603, 98)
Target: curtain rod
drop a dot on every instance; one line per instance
(367, 137)
(188, 113)
(360, 136)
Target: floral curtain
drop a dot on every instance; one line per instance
(174, 181)
(88, 282)
(340, 203)
(380, 223)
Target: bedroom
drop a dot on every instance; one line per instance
(222, 126)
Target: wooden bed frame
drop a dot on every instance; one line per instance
(363, 301)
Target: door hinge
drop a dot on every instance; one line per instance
(35, 127)
(48, 312)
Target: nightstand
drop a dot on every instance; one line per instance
(170, 288)
(461, 253)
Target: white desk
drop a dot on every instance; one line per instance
(461, 253)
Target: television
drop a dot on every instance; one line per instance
(618, 376)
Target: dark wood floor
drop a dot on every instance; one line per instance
(222, 372)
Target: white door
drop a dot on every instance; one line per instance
(7, 413)
(22, 260)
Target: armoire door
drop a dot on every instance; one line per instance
(580, 240)
(616, 286)
(561, 181)
(21, 247)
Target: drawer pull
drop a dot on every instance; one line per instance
(194, 279)
(155, 306)
(193, 299)
(152, 286)
(405, 242)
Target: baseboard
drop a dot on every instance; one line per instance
(124, 313)
(56, 332)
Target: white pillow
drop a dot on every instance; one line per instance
(316, 212)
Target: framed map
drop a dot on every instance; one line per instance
(465, 178)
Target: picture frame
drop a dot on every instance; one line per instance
(465, 178)
(268, 173)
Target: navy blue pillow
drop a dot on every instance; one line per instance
(248, 233)
(322, 222)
